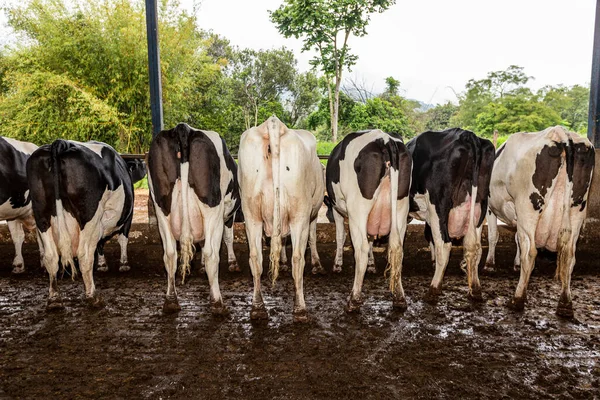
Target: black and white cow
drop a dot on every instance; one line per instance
(282, 188)
(193, 184)
(15, 204)
(368, 181)
(540, 186)
(450, 187)
(81, 194)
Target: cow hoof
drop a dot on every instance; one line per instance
(18, 269)
(475, 295)
(399, 304)
(516, 304)
(489, 268)
(371, 269)
(283, 267)
(317, 269)
(95, 301)
(433, 295)
(103, 268)
(234, 267)
(124, 268)
(565, 310)
(337, 268)
(218, 309)
(301, 316)
(54, 304)
(353, 306)
(171, 305)
(259, 312)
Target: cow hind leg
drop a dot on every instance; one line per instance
(315, 260)
(371, 260)
(492, 226)
(472, 257)
(213, 232)
(102, 266)
(442, 254)
(231, 259)
(283, 256)
(517, 262)
(299, 233)
(254, 234)
(358, 234)
(340, 238)
(51, 264)
(565, 265)
(86, 265)
(528, 253)
(18, 237)
(171, 305)
(124, 262)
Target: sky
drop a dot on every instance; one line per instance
(435, 46)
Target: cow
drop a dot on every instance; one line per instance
(193, 185)
(363, 172)
(540, 185)
(368, 182)
(15, 202)
(449, 191)
(282, 188)
(81, 195)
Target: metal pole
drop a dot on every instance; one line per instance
(594, 116)
(154, 67)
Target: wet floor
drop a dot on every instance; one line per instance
(454, 349)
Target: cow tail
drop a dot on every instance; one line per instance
(394, 257)
(565, 251)
(65, 246)
(186, 240)
(274, 129)
(471, 244)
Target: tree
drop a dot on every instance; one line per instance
(438, 118)
(481, 92)
(571, 103)
(261, 77)
(326, 26)
(303, 97)
(93, 48)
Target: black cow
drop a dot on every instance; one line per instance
(368, 180)
(81, 194)
(450, 188)
(193, 184)
(15, 204)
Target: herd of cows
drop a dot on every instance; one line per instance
(76, 196)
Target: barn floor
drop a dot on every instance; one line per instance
(456, 349)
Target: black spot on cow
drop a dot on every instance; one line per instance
(287, 168)
(547, 165)
(447, 165)
(370, 167)
(583, 160)
(500, 150)
(13, 177)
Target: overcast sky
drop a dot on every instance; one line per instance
(434, 45)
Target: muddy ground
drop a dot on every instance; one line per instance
(455, 349)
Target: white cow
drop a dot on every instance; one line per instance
(368, 181)
(540, 184)
(282, 187)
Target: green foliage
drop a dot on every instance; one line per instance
(325, 27)
(325, 148)
(44, 106)
(438, 118)
(571, 103)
